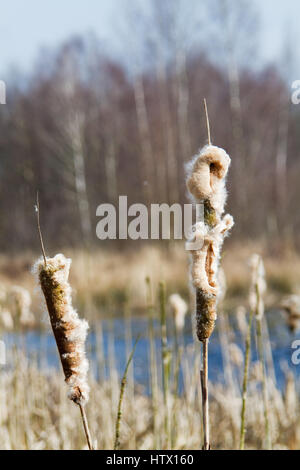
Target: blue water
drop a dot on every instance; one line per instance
(35, 342)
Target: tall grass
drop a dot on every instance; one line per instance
(122, 391)
(166, 362)
(245, 382)
(34, 413)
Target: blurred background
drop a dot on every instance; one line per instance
(105, 98)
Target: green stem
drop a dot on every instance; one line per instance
(122, 390)
(245, 382)
(153, 364)
(178, 354)
(165, 357)
(264, 383)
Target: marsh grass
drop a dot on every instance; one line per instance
(245, 382)
(166, 364)
(120, 269)
(122, 391)
(34, 412)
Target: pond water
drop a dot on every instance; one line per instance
(42, 347)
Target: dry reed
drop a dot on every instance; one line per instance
(122, 391)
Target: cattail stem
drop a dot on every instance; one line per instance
(119, 414)
(204, 388)
(224, 335)
(100, 351)
(86, 426)
(245, 383)
(153, 364)
(256, 298)
(264, 383)
(39, 228)
(165, 357)
(269, 355)
(122, 391)
(178, 355)
(207, 122)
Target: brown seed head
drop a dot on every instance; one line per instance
(68, 329)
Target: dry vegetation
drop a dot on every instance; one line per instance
(35, 414)
(125, 272)
(34, 411)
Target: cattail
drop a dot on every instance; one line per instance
(21, 300)
(224, 332)
(241, 318)
(69, 330)
(121, 397)
(246, 331)
(258, 286)
(3, 294)
(206, 183)
(291, 306)
(257, 290)
(179, 308)
(15, 302)
(6, 319)
(290, 394)
(206, 175)
(153, 364)
(166, 359)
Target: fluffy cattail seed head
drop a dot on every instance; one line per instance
(258, 286)
(3, 294)
(179, 308)
(20, 298)
(206, 175)
(241, 318)
(291, 306)
(6, 319)
(69, 330)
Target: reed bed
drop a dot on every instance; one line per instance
(249, 409)
(34, 412)
(126, 271)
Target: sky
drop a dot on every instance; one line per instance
(28, 25)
